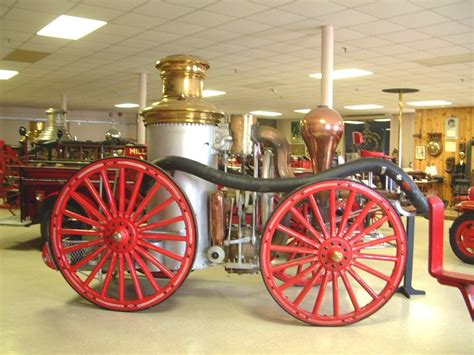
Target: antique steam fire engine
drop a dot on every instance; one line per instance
(125, 233)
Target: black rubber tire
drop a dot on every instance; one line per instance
(465, 217)
(45, 223)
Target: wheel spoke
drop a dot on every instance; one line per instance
(335, 294)
(162, 236)
(376, 257)
(88, 207)
(121, 278)
(332, 212)
(377, 241)
(308, 287)
(145, 270)
(155, 210)
(99, 266)
(319, 217)
(350, 291)
(84, 232)
(347, 211)
(295, 234)
(162, 223)
(321, 293)
(108, 278)
(133, 273)
(292, 263)
(161, 250)
(361, 282)
(84, 245)
(291, 249)
(97, 198)
(150, 194)
(368, 229)
(108, 192)
(360, 218)
(306, 224)
(372, 271)
(122, 181)
(88, 258)
(83, 219)
(295, 279)
(135, 193)
(155, 262)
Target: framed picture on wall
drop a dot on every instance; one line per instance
(420, 152)
(451, 127)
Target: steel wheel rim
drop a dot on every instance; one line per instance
(315, 302)
(464, 236)
(122, 237)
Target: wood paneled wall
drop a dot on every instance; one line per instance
(433, 121)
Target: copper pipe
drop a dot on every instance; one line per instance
(241, 130)
(272, 136)
(322, 128)
(217, 218)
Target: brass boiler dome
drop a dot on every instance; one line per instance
(183, 81)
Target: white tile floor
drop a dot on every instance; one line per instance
(214, 312)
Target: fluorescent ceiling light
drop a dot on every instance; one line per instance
(210, 93)
(7, 74)
(382, 119)
(354, 122)
(344, 74)
(126, 105)
(265, 113)
(430, 103)
(302, 110)
(363, 107)
(70, 27)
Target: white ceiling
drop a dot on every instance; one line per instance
(260, 51)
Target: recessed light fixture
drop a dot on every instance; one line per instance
(265, 113)
(126, 105)
(7, 74)
(430, 103)
(363, 107)
(70, 27)
(382, 119)
(344, 74)
(302, 110)
(354, 122)
(211, 93)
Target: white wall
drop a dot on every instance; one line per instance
(85, 125)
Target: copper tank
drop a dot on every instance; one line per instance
(322, 129)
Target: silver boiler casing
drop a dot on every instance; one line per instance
(193, 141)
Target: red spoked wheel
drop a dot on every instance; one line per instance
(135, 239)
(350, 267)
(461, 237)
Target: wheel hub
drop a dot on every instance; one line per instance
(335, 254)
(120, 235)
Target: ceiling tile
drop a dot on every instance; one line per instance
(389, 8)
(235, 8)
(393, 49)
(94, 12)
(457, 11)
(31, 19)
(156, 37)
(274, 17)
(309, 8)
(123, 5)
(308, 26)
(217, 35)
(431, 43)
(444, 29)
(191, 42)
(200, 17)
(192, 3)
(377, 27)
(460, 38)
(272, 3)
(419, 19)
(162, 9)
(280, 34)
(346, 18)
(140, 21)
(244, 26)
(44, 44)
(369, 42)
(179, 27)
(404, 36)
(250, 41)
(119, 30)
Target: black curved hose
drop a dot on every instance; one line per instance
(365, 165)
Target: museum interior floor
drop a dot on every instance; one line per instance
(214, 312)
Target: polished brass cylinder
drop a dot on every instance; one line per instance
(36, 127)
(322, 129)
(56, 122)
(183, 81)
(241, 130)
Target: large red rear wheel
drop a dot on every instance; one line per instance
(461, 237)
(349, 262)
(123, 255)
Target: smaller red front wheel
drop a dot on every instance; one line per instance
(340, 264)
(461, 237)
(135, 239)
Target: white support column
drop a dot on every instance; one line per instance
(64, 107)
(327, 62)
(142, 104)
